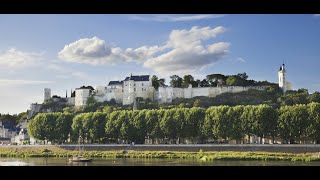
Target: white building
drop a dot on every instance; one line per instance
(137, 86)
(282, 78)
(82, 95)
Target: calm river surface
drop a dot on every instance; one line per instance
(144, 162)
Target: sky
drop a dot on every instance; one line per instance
(64, 52)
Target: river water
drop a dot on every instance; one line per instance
(144, 162)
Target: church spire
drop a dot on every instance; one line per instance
(66, 93)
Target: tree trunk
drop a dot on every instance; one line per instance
(272, 139)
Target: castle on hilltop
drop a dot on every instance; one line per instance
(132, 87)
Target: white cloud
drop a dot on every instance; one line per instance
(175, 18)
(188, 52)
(14, 59)
(184, 51)
(8, 82)
(95, 51)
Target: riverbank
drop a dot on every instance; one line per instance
(56, 151)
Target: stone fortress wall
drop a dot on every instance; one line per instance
(167, 94)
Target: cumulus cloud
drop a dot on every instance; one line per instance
(184, 51)
(188, 51)
(175, 18)
(96, 51)
(14, 58)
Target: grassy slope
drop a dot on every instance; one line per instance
(38, 151)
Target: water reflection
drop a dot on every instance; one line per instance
(144, 162)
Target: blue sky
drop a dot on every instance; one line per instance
(63, 52)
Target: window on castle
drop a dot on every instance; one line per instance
(142, 89)
(134, 89)
(142, 84)
(134, 84)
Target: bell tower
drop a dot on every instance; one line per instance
(282, 78)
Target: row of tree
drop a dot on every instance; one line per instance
(290, 123)
(211, 80)
(14, 119)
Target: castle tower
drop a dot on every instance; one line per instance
(47, 93)
(282, 78)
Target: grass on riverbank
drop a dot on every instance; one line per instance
(25, 151)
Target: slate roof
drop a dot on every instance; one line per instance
(138, 78)
(115, 83)
(8, 125)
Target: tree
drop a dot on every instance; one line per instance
(204, 83)
(43, 127)
(215, 79)
(155, 82)
(139, 125)
(194, 119)
(196, 103)
(314, 119)
(265, 121)
(153, 124)
(179, 121)
(63, 126)
(112, 128)
(97, 132)
(168, 125)
(247, 121)
(243, 76)
(162, 81)
(77, 127)
(126, 129)
(91, 104)
(235, 114)
(176, 81)
(234, 81)
(37, 127)
(188, 79)
(8, 118)
(314, 97)
(207, 128)
(87, 124)
(294, 97)
(222, 122)
(22, 116)
(293, 122)
(107, 109)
